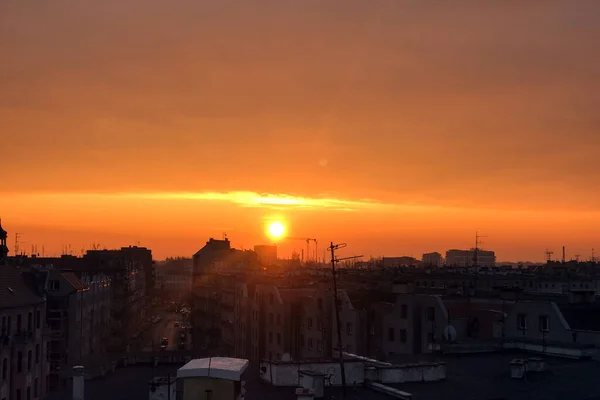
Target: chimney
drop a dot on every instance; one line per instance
(78, 382)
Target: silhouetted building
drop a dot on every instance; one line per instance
(3, 247)
(390, 262)
(432, 259)
(267, 254)
(468, 258)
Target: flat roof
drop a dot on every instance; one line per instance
(214, 367)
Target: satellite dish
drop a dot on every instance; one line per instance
(450, 333)
(286, 357)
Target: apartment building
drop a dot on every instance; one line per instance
(78, 315)
(23, 366)
(470, 258)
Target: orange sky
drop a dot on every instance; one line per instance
(127, 121)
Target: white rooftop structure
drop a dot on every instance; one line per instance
(214, 367)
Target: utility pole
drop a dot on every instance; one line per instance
(334, 260)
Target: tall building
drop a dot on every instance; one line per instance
(432, 259)
(3, 247)
(267, 254)
(470, 258)
(23, 345)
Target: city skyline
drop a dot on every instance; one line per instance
(125, 124)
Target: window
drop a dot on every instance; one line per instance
(349, 328)
(391, 334)
(319, 325)
(19, 362)
(3, 325)
(402, 335)
(320, 303)
(278, 338)
(319, 346)
(522, 322)
(544, 323)
(28, 392)
(19, 323)
(310, 344)
(270, 337)
(310, 323)
(29, 360)
(18, 394)
(30, 322)
(4, 368)
(38, 319)
(37, 353)
(430, 314)
(8, 326)
(404, 311)
(35, 388)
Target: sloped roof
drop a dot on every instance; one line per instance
(73, 281)
(14, 289)
(584, 317)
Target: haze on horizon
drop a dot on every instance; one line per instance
(402, 127)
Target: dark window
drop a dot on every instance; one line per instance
(310, 323)
(19, 362)
(38, 320)
(320, 304)
(310, 344)
(391, 334)
(403, 311)
(8, 329)
(544, 323)
(30, 322)
(28, 393)
(18, 394)
(35, 388)
(522, 321)
(430, 314)
(3, 325)
(403, 335)
(278, 338)
(29, 360)
(4, 368)
(349, 328)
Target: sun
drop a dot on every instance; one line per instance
(276, 229)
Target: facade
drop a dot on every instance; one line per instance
(173, 277)
(78, 315)
(432, 259)
(23, 345)
(470, 258)
(126, 268)
(267, 254)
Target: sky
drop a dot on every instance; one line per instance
(398, 127)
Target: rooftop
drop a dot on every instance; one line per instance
(15, 290)
(214, 367)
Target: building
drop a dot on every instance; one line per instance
(78, 315)
(3, 247)
(470, 258)
(432, 259)
(173, 277)
(23, 345)
(391, 262)
(267, 254)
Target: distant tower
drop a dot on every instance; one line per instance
(3, 247)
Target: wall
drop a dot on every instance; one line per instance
(286, 374)
(425, 372)
(195, 388)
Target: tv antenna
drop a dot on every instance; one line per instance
(549, 255)
(577, 257)
(335, 260)
(476, 252)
